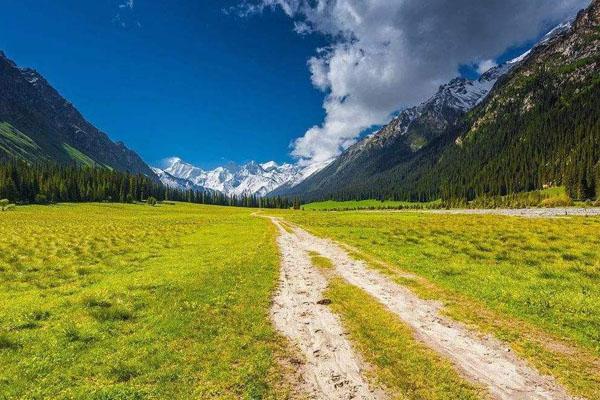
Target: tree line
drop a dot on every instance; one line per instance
(48, 182)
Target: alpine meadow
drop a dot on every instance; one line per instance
(330, 200)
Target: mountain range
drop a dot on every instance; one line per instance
(38, 124)
(231, 179)
(529, 123)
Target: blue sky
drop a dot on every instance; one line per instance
(191, 81)
(184, 78)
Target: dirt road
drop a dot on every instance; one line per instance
(483, 360)
(332, 369)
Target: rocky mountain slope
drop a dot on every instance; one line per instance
(173, 182)
(37, 123)
(541, 127)
(248, 179)
(415, 157)
(400, 140)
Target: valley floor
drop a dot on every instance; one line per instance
(527, 212)
(178, 301)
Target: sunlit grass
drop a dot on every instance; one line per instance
(128, 302)
(331, 205)
(534, 283)
(319, 261)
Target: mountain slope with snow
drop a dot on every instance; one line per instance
(178, 183)
(402, 153)
(231, 179)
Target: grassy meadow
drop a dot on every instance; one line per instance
(332, 205)
(106, 301)
(534, 283)
(119, 302)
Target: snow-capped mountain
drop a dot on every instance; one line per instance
(451, 101)
(397, 154)
(231, 179)
(178, 183)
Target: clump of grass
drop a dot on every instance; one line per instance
(39, 315)
(105, 309)
(558, 201)
(8, 343)
(119, 393)
(33, 320)
(116, 312)
(75, 334)
(97, 301)
(569, 256)
(125, 371)
(319, 261)
(82, 271)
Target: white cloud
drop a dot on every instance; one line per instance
(485, 66)
(386, 54)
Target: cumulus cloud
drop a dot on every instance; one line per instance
(388, 54)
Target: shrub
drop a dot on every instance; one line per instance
(559, 201)
(151, 201)
(4, 204)
(41, 199)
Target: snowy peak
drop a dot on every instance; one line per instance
(432, 117)
(178, 183)
(180, 169)
(269, 166)
(231, 179)
(559, 30)
(464, 94)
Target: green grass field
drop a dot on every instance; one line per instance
(107, 301)
(534, 283)
(332, 205)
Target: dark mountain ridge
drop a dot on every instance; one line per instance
(37, 124)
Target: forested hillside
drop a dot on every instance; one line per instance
(539, 127)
